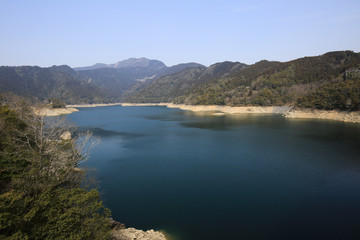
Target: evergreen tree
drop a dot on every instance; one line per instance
(40, 185)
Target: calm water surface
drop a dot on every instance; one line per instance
(199, 176)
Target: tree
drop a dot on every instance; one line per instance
(343, 95)
(41, 195)
(56, 103)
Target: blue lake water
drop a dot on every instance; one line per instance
(199, 176)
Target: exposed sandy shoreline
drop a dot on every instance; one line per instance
(231, 110)
(286, 111)
(342, 116)
(49, 112)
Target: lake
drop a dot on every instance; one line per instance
(200, 176)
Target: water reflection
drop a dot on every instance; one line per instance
(100, 132)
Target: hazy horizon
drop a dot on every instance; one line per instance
(164, 62)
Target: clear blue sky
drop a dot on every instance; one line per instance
(81, 33)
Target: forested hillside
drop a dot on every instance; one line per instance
(301, 82)
(170, 87)
(343, 95)
(274, 83)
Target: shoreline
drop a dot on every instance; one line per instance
(52, 112)
(342, 116)
(133, 233)
(286, 111)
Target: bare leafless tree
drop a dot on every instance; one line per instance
(56, 160)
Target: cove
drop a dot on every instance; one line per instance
(200, 176)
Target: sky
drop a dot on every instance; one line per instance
(82, 33)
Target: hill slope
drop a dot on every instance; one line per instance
(123, 76)
(301, 82)
(54, 82)
(169, 87)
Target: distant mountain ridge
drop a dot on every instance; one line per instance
(123, 76)
(328, 81)
(54, 82)
(99, 83)
(127, 63)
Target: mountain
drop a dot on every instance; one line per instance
(54, 82)
(101, 84)
(274, 83)
(179, 67)
(95, 66)
(169, 87)
(128, 63)
(121, 77)
(140, 62)
(328, 81)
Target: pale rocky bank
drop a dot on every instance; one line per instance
(286, 111)
(342, 116)
(132, 234)
(232, 110)
(50, 112)
(120, 232)
(218, 108)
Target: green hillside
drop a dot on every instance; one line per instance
(274, 83)
(299, 82)
(170, 87)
